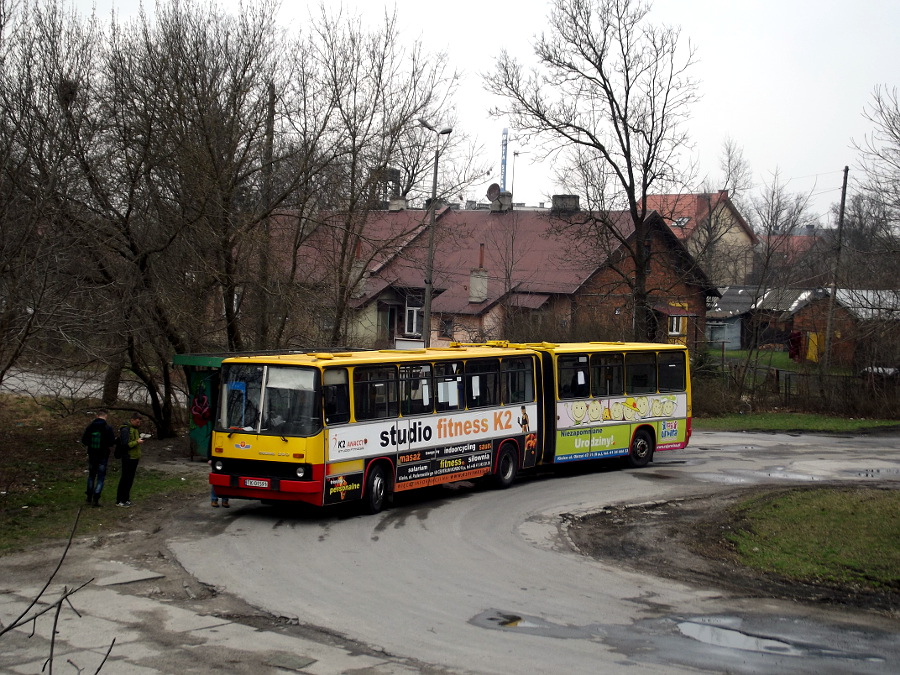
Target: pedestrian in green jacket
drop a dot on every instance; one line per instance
(130, 461)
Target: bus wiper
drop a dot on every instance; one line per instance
(284, 439)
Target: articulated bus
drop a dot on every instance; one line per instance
(330, 428)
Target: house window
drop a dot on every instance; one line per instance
(414, 319)
(677, 325)
(446, 329)
(415, 316)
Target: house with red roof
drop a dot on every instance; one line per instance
(713, 230)
(523, 275)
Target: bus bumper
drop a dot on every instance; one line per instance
(278, 489)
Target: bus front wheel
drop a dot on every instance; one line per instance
(506, 467)
(376, 489)
(641, 449)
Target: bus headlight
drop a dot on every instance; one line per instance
(218, 465)
(301, 472)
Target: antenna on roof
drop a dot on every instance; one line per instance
(503, 146)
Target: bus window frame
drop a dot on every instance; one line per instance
(341, 397)
(567, 387)
(599, 371)
(442, 383)
(391, 404)
(487, 380)
(651, 369)
(506, 372)
(426, 381)
(682, 371)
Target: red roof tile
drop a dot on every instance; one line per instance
(683, 212)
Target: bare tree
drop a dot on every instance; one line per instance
(44, 52)
(380, 90)
(610, 96)
(718, 242)
(880, 150)
(782, 263)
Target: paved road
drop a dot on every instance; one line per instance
(486, 582)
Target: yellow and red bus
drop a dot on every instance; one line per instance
(329, 428)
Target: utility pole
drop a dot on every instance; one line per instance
(825, 361)
(429, 261)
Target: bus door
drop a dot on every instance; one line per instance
(547, 407)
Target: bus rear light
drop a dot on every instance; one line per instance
(218, 451)
(299, 455)
(301, 471)
(219, 465)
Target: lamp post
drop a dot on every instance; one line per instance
(429, 261)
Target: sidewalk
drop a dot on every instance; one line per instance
(150, 635)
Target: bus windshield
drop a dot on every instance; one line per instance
(273, 400)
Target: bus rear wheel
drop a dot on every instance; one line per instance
(641, 449)
(506, 467)
(376, 490)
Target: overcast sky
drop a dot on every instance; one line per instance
(787, 80)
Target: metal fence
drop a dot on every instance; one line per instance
(855, 396)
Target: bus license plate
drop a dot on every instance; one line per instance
(256, 483)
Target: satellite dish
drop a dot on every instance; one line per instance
(493, 191)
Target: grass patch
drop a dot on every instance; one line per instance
(787, 421)
(43, 474)
(842, 536)
(48, 510)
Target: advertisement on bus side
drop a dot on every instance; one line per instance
(441, 431)
(597, 428)
(599, 411)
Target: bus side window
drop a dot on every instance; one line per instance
(448, 381)
(518, 381)
(482, 376)
(672, 371)
(573, 376)
(375, 391)
(640, 372)
(607, 375)
(415, 389)
(336, 396)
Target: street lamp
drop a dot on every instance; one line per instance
(429, 261)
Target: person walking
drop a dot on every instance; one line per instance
(130, 460)
(99, 439)
(214, 499)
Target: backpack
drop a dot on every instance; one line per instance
(122, 440)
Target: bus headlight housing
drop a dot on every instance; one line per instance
(301, 471)
(218, 465)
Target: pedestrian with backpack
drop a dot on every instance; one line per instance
(130, 443)
(99, 439)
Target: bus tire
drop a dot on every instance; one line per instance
(376, 490)
(507, 465)
(641, 450)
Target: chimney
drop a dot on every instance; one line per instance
(478, 280)
(502, 203)
(564, 204)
